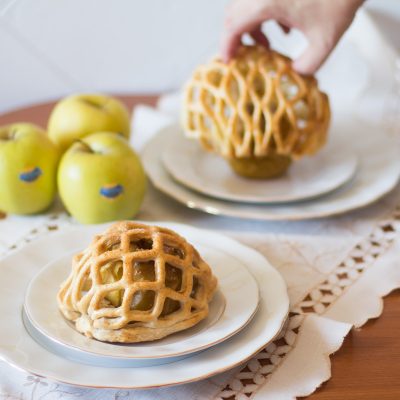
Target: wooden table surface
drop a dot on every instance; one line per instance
(366, 367)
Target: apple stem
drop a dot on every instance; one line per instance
(9, 135)
(92, 103)
(84, 147)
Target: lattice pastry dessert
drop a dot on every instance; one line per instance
(136, 283)
(256, 112)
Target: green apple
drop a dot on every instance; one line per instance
(80, 115)
(100, 179)
(28, 169)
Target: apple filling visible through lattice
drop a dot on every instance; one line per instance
(136, 283)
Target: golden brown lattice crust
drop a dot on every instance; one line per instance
(255, 105)
(136, 283)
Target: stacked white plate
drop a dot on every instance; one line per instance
(246, 313)
(357, 167)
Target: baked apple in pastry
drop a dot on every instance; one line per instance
(136, 283)
(256, 112)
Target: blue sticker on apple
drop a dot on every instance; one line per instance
(30, 174)
(111, 191)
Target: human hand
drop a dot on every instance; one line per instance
(323, 22)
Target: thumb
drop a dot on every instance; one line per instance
(313, 57)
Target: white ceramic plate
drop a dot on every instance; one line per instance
(233, 306)
(19, 349)
(377, 174)
(211, 175)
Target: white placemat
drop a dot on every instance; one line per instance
(337, 270)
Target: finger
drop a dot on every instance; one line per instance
(230, 44)
(313, 57)
(239, 20)
(259, 37)
(232, 38)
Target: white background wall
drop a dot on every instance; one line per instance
(49, 48)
